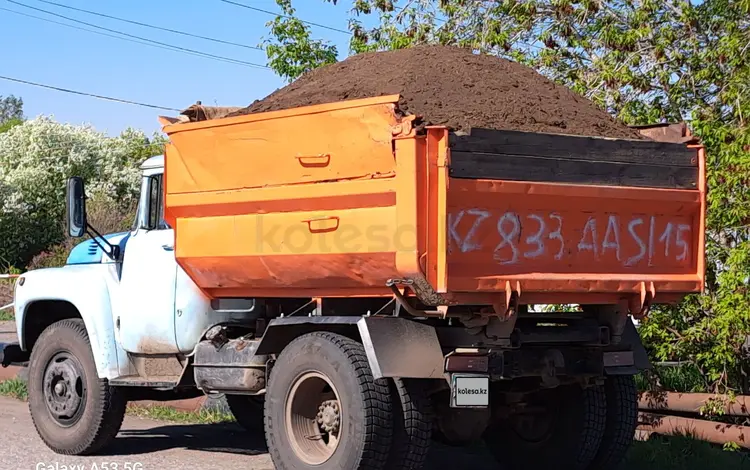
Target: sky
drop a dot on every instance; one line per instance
(60, 56)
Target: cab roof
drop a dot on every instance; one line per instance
(157, 161)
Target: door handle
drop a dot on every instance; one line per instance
(314, 161)
(319, 225)
(167, 247)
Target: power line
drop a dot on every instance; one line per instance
(146, 25)
(267, 12)
(183, 49)
(100, 33)
(101, 97)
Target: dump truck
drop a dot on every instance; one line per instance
(358, 286)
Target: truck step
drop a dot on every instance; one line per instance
(166, 381)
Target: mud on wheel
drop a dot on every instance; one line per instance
(559, 428)
(74, 411)
(324, 410)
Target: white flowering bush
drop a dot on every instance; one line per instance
(38, 156)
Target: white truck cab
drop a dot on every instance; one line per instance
(124, 315)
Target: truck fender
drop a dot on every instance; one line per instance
(630, 337)
(85, 288)
(395, 347)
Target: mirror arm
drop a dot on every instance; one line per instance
(112, 251)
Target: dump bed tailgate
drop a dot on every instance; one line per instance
(553, 214)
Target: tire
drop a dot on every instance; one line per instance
(412, 425)
(353, 428)
(247, 411)
(622, 419)
(576, 419)
(88, 416)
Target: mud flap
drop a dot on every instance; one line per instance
(401, 348)
(639, 358)
(395, 347)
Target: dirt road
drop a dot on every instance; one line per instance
(152, 445)
(141, 445)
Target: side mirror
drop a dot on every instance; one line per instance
(75, 202)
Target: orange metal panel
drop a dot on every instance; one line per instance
(571, 238)
(332, 249)
(701, 243)
(408, 151)
(308, 146)
(434, 143)
(297, 234)
(290, 198)
(442, 160)
(288, 276)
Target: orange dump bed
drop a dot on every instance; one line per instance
(336, 199)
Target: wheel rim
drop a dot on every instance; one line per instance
(314, 418)
(64, 388)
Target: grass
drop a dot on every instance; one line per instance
(7, 314)
(14, 388)
(165, 413)
(682, 453)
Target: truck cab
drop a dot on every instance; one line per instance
(139, 301)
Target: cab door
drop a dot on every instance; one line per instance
(146, 313)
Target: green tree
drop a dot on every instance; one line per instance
(291, 50)
(644, 61)
(11, 107)
(37, 156)
(11, 112)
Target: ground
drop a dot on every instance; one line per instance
(8, 331)
(145, 444)
(180, 439)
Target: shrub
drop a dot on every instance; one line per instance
(105, 215)
(36, 158)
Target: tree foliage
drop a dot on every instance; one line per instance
(644, 61)
(11, 112)
(38, 156)
(291, 50)
(11, 108)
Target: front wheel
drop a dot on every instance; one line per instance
(323, 409)
(74, 411)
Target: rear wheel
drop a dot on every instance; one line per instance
(622, 419)
(412, 425)
(323, 409)
(560, 428)
(247, 411)
(74, 411)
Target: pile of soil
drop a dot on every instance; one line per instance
(452, 86)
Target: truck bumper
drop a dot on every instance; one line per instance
(11, 353)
